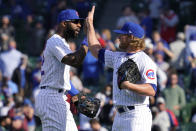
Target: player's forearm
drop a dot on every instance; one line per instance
(94, 45)
(143, 89)
(75, 59)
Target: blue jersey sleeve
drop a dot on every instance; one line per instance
(101, 55)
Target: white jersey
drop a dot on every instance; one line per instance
(54, 73)
(147, 70)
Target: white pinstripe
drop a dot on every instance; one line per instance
(50, 105)
(56, 74)
(54, 111)
(127, 97)
(139, 119)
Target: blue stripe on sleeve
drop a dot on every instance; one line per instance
(73, 90)
(154, 87)
(101, 55)
(170, 119)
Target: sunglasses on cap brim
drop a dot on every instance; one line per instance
(75, 21)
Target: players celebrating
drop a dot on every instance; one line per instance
(130, 99)
(50, 104)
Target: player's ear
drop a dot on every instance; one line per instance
(63, 24)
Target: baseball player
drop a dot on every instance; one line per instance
(130, 100)
(50, 104)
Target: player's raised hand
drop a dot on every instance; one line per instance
(89, 19)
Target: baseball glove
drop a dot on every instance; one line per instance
(87, 105)
(128, 71)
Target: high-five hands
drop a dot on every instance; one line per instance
(89, 19)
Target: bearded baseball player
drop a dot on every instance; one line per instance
(50, 104)
(134, 76)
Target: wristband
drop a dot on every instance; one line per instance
(73, 90)
(85, 42)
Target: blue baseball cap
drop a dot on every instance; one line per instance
(132, 29)
(68, 14)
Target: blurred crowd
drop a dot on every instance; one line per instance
(170, 41)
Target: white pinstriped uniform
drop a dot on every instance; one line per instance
(50, 105)
(140, 118)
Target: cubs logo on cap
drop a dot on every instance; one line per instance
(150, 74)
(68, 14)
(77, 14)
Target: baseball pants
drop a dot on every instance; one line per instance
(54, 111)
(138, 119)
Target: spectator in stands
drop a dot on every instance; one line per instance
(4, 42)
(128, 15)
(100, 39)
(193, 118)
(105, 95)
(165, 118)
(178, 49)
(192, 46)
(95, 125)
(174, 95)
(147, 23)
(157, 38)
(104, 116)
(28, 25)
(154, 7)
(16, 113)
(192, 60)
(159, 60)
(22, 76)
(36, 74)
(10, 60)
(9, 86)
(6, 27)
(1, 78)
(193, 73)
(91, 70)
(149, 48)
(17, 124)
(77, 83)
(116, 43)
(37, 38)
(54, 9)
(106, 105)
(193, 77)
(106, 35)
(29, 114)
(161, 79)
(161, 45)
(8, 104)
(36, 77)
(5, 123)
(169, 21)
(84, 123)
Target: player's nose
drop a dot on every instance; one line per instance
(79, 24)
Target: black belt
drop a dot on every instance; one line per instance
(121, 109)
(59, 90)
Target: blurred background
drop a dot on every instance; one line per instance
(170, 27)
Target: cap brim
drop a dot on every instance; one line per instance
(78, 19)
(120, 32)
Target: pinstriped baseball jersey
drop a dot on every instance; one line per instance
(54, 73)
(147, 70)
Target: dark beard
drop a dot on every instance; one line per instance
(69, 33)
